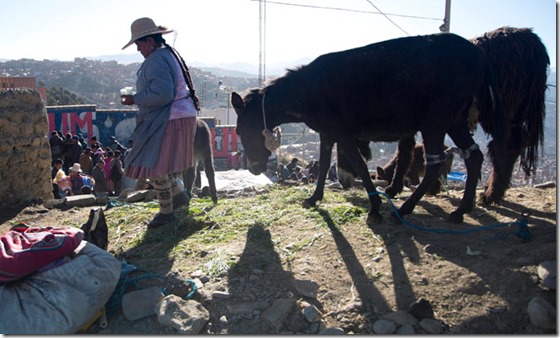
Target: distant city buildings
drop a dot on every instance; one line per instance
(22, 82)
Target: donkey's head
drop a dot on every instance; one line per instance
(250, 128)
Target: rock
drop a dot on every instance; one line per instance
(247, 307)
(185, 316)
(278, 312)
(198, 283)
(197, 274)
(541, 313)
(431, 325)
(139, 304)
(181, 287)
(547, 273)
(306, 288)
(124, 194)
(406, 329)
(223, 322)
(401, 317)
(101, 200)
(525, 260)
(384, 326)
(221, 295)
(332, 330)
(141, 195)
(79, 200)
(311, 313)
(545, 185)
(316, 327)
(421, 309)
(53, 203)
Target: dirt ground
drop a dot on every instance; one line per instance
(476, 282)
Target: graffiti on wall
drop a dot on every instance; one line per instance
(88, 121)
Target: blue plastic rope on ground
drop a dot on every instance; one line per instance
(126, 281)
(523, 231)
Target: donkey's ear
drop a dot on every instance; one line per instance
(237, 103)
(381, 175)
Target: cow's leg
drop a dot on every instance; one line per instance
(325, 151)
(435, 157)
(403, 159)
(473, 161)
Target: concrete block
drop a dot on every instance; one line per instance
(80, 200)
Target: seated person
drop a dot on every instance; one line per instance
(79, 183)
(57, 174)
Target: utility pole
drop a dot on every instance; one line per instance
(447, 20)
(262, 40)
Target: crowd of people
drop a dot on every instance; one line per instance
(298, 171)
(81, 168)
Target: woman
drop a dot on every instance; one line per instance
(166, 121)
(108, 158)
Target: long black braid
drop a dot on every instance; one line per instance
(186, 74)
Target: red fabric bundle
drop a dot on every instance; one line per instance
(24, 250)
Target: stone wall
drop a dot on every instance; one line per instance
(25, 155)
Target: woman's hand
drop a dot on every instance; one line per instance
(127, 100)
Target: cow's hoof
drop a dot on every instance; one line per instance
(455, 218)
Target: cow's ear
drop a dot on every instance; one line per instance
(237, 103)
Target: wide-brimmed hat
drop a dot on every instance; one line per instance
(76, 167)
(143, 27)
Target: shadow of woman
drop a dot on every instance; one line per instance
(150, 261)
(152, 252)
(263, 294)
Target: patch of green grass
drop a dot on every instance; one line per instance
(342, 214)
(206, 225)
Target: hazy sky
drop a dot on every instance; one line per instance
(226, 31)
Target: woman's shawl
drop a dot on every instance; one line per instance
(156, 80)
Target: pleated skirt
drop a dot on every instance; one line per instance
(176, 152)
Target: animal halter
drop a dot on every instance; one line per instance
(272, 138)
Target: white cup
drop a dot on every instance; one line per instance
(126, 91)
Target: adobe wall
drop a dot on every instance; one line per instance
(25, 155)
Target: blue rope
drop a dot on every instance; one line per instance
(126, 281)
(523, 231)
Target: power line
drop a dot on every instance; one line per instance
(391, 21)
(352, 10)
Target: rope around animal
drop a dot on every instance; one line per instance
(522, 232)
